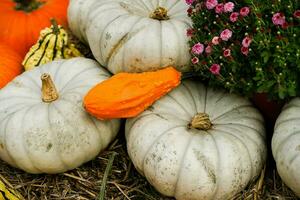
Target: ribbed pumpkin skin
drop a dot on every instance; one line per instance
(124, 38)
(54, 137)
(10, 64)
(20, 30)
(286, 145)
(190, 164)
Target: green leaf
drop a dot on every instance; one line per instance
(266, 56)
(281, 92)
(292, 91)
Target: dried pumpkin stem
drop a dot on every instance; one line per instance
(27, 5)
(55, 26)
(160, 13)
(49, 92)
(200, 121)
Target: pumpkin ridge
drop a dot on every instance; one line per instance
(173, 5)
(245, 135)
(122, 42)
(10, 157)
(178, 38)
(102, 58)
(191, 95)
(53, 138)
(156, 140)
(293, 159)
(55, 73)
(97, 128)
(230, 110)
(22, 133)
(244, 125)
(160, 43)
(123, 54)
(283, 141)
(143, 5)
(217, 170)
(14, 105)
(262, 158)
(244, 145)
(70, 125)
(140, 117)
(32, 82)
(180, 165)
(23, 97)
(72, 78)
(287, 120)
(178, 103)
(218, 165)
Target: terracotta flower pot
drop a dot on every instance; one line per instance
(269, 108)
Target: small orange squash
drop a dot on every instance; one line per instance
(10, 64)
(126, 95)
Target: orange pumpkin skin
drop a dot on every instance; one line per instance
(20, 29)
(126, 95)
(10, 64)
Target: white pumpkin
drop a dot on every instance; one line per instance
(286, 145)
(197, 143)
(42, 132)
(133, 35)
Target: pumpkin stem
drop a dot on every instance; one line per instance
(55, 26)
(27, 5)
(160, 13)
(200, 121)
(49, 92)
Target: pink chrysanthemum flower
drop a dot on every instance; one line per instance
(278, 19)
(215, 69)
(211, 4)
(198, 48)
(226, 35)
(228, 7)
(234, 16)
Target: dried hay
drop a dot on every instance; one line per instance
(112, 176)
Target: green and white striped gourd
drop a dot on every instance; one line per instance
(52, 44)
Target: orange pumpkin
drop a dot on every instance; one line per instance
(22, 20)
(126, 95)
(10, 64)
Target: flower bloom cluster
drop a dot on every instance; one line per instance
(225, 34)
(233, 41)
